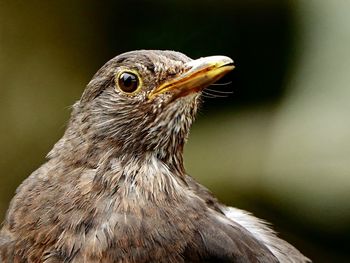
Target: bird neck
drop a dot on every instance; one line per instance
(172, 157)
(145, 176)
(77, 151)
(81, 150)
(82, 146)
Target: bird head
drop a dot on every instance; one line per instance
(145, 101)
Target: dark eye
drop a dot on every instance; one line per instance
(128, 82)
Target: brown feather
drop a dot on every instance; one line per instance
(114, 188)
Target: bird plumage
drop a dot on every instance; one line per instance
(114, 188)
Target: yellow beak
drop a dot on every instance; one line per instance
(200, 74)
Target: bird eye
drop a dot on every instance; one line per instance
(128, 82)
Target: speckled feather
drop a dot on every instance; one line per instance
(114, 188)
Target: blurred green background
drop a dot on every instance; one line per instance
(279, 146)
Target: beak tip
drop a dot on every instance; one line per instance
(216, 61)
(224, 60)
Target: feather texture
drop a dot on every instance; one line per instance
(114, 187)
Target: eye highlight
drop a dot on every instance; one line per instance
(128, 82)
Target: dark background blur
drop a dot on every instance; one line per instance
(278, 146)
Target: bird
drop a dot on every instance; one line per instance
(114, 187)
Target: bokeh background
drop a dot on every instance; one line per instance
(279, 146)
